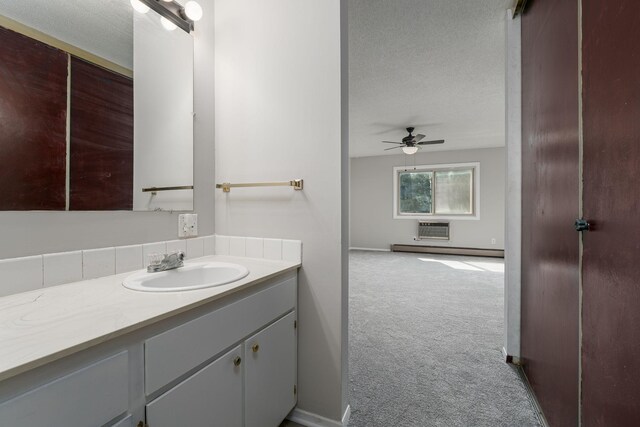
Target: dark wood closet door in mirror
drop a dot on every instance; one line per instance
(33, 117)
(101, 174)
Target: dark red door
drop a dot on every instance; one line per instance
(33, 120)
(550, 245)
(611, 258)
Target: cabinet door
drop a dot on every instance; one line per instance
(127, 422)
(211, 397)
(270, 374)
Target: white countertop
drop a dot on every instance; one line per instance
(44, 325)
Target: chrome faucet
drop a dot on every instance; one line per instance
(167, 262)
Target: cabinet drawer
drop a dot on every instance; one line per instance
(91, 396)
(176, 351)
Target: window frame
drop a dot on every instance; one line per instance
(475, 195)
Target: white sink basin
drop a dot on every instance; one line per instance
(189, 277)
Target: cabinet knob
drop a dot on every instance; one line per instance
(255, 348)
(237, 361)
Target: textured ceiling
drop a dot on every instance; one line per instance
(102, 27)
(435, 64)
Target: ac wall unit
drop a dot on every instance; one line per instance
(433, 230)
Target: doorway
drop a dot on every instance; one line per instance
(426, 343)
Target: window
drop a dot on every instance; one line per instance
(437, 191)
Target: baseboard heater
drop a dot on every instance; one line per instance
(446, 250)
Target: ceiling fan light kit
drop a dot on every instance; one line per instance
(410, 150)
(411, 144)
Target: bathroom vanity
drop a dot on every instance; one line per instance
(94, 353)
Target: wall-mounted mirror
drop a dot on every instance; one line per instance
(96, 108)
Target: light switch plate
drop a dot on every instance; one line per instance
(187, 225)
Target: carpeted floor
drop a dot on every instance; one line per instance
(426, 344)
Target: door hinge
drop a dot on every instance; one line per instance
(295, 324)
(295, 389)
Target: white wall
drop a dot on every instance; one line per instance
(344, 186)
(513, 248)
(103, 28)
(31, 233)
(163, 114)
(372, 223)
(278, 117)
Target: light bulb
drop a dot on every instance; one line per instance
(193, 10)
(410, 150)
(139, 6)
(168, 25)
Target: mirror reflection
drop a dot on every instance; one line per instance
(96, 108)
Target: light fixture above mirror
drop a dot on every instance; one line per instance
(167, 25)
(193, 11)
(173, 14)
(139, 7)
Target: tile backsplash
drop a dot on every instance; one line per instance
(98, 263)
(152, 248)
(20, 275)
(237, 246)
(253, 247)
(34, 272)
(195, 248)
(64, 267)
(292, 250)
(177, 245)
(273, 248)
(129, 258)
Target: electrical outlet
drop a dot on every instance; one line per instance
(187, 225)
(493, 241)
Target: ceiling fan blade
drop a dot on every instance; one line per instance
(439, 141)
(391, 142)
(418, 137)
(393, 148)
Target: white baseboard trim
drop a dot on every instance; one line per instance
(309, 419)
(369, 249)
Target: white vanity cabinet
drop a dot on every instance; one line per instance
(253, 384)
(229, 362)
(263, 368)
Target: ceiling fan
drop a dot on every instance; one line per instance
(411, 143)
